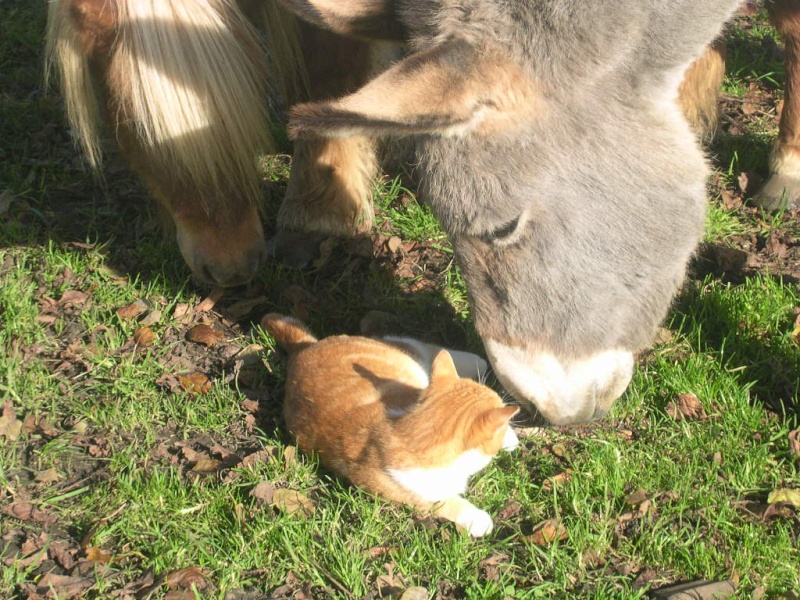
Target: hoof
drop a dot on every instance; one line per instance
(779, 192)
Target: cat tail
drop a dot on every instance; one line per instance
(290, 333)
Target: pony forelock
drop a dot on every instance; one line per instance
(189, 77)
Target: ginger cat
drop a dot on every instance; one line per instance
(391, 420)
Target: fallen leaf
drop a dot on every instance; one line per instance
(181, 310)
(10, 426)
(96, 555)
(696, 590)
(414, 593)
(186, 578)
(785, 495)
(73, 298)
(686, 407)
(203, 334)
(132, 310)
(144, 336)
(194, 383)
(560, 450)
(62, 586)
(558, 479)
(207, 465)
(289, 456)
(293, 503)
(264, 492)
(547, 532)
(637, 497)
(48, 476)
(794, 444)
(151, 318)
(393, 244)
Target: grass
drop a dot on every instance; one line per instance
(115, 463)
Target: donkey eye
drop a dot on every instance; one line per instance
(506, 233)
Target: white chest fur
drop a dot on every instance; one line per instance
(440, 483)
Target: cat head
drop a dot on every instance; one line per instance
(472, 412)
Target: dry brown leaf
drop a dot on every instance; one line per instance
(637, 497)
(264, 492)
(48, 476)
(415, 593)
(10, 426)
(547, 532)
(62, 586)
(293, 503)
(194, 383)
(144, 336)
(132, 310)
(186, 578)
(686, 407)
(151, 318)
(794, 444)
(96, 555)
(204, 334)
(558, 479)
(560, 450)
(289, 456)
(393, 244)
(207, 465)
(73, 298)
(181, 310)
(696, 590)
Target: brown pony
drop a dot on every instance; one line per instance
(185, 86)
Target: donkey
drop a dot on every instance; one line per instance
(551, 147)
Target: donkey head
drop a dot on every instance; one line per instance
(552, 149)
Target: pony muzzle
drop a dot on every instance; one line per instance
(224, 257)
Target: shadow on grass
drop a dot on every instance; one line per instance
(747, 334)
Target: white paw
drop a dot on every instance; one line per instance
(477, 522)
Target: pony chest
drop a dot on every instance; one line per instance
(439, 483)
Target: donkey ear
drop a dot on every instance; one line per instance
(443, 370)
(448, 89)
(374, 19)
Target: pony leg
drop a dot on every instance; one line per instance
(699, 92)
(782, 189)
(181, 83)
(330, 187)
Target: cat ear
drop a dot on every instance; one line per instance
(449, 89)
(443, 370)
(496, 418)
(375, 19)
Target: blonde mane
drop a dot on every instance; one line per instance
(63, 52)
(189, 79)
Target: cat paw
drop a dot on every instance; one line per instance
(477, 522)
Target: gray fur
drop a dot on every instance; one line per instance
(607, 177)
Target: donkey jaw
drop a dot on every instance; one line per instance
(563, 391)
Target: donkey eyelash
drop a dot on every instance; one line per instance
(508, 233)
